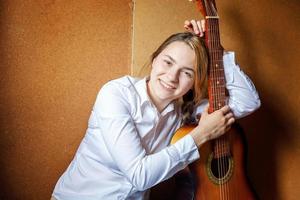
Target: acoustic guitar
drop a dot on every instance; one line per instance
(220, 171)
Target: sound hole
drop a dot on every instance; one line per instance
(219, 169)
(220, 166)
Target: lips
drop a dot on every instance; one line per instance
(166, 85)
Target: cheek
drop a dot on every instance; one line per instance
(158, 66)
(190, 86)
(187, 85)
(187, 82)
(154, 67)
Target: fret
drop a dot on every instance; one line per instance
(218, 104)
(213, 36)
(216, 78)
(221, 147)
(217, 51)
(217, 88)
(216, 66)
(220, 79)
(215, 58)
(218, 91)
(217, 101)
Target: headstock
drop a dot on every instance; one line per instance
(207, 8)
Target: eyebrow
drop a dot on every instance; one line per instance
(185, 67)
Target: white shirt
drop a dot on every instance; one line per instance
(126, 147)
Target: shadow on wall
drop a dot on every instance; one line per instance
(265, 132)
(270, 129)
(266, 48)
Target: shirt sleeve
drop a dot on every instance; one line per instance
(243, 97)
(113, 112)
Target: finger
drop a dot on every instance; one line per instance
(195, 27)
(203, 24)
(225, 109)
(187, 25)
(230, 121)
(200, 28)
(228, 116)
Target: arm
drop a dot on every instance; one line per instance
(243, 97)
(124, 144)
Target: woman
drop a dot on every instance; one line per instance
(126, 149)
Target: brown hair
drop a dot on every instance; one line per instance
(194, 96)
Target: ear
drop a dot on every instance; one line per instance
(153, 61)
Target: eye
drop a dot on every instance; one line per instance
(188, 74)
(167, 62)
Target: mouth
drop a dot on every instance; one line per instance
(166, 85)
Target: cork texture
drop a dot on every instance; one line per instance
(55, 56)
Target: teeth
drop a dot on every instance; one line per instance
(166, 85)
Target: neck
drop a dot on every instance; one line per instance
(216, 78)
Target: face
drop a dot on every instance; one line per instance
(172, 74)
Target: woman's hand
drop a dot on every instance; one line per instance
(197, 27)
(212, 125)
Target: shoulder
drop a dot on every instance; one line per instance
(122, 83)
(120, 86)
(118, 93)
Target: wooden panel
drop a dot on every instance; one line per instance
(55, 55)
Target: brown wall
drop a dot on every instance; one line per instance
(55, 55)
(265, 37)
(153, 22)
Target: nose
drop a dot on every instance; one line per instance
(173, 74)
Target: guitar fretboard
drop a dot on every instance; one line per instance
(216, 78)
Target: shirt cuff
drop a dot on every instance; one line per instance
(187, 150)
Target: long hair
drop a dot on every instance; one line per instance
(199, 90)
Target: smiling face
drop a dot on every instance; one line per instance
(172, 74)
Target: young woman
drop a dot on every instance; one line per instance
(126, 149)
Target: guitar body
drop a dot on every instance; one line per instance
(227, 181)
(221, 176)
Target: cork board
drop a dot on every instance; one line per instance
(153, 22)
(55, 55)
(265, 38)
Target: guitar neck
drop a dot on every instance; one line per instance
(216, 76)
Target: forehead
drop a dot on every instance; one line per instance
(181, 52)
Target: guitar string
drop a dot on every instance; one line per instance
(218, 150)
(217, 97)
(212, 82)
(212, 93)
(219, 86)
(211, 87)
(214, 97)
(215, 94)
